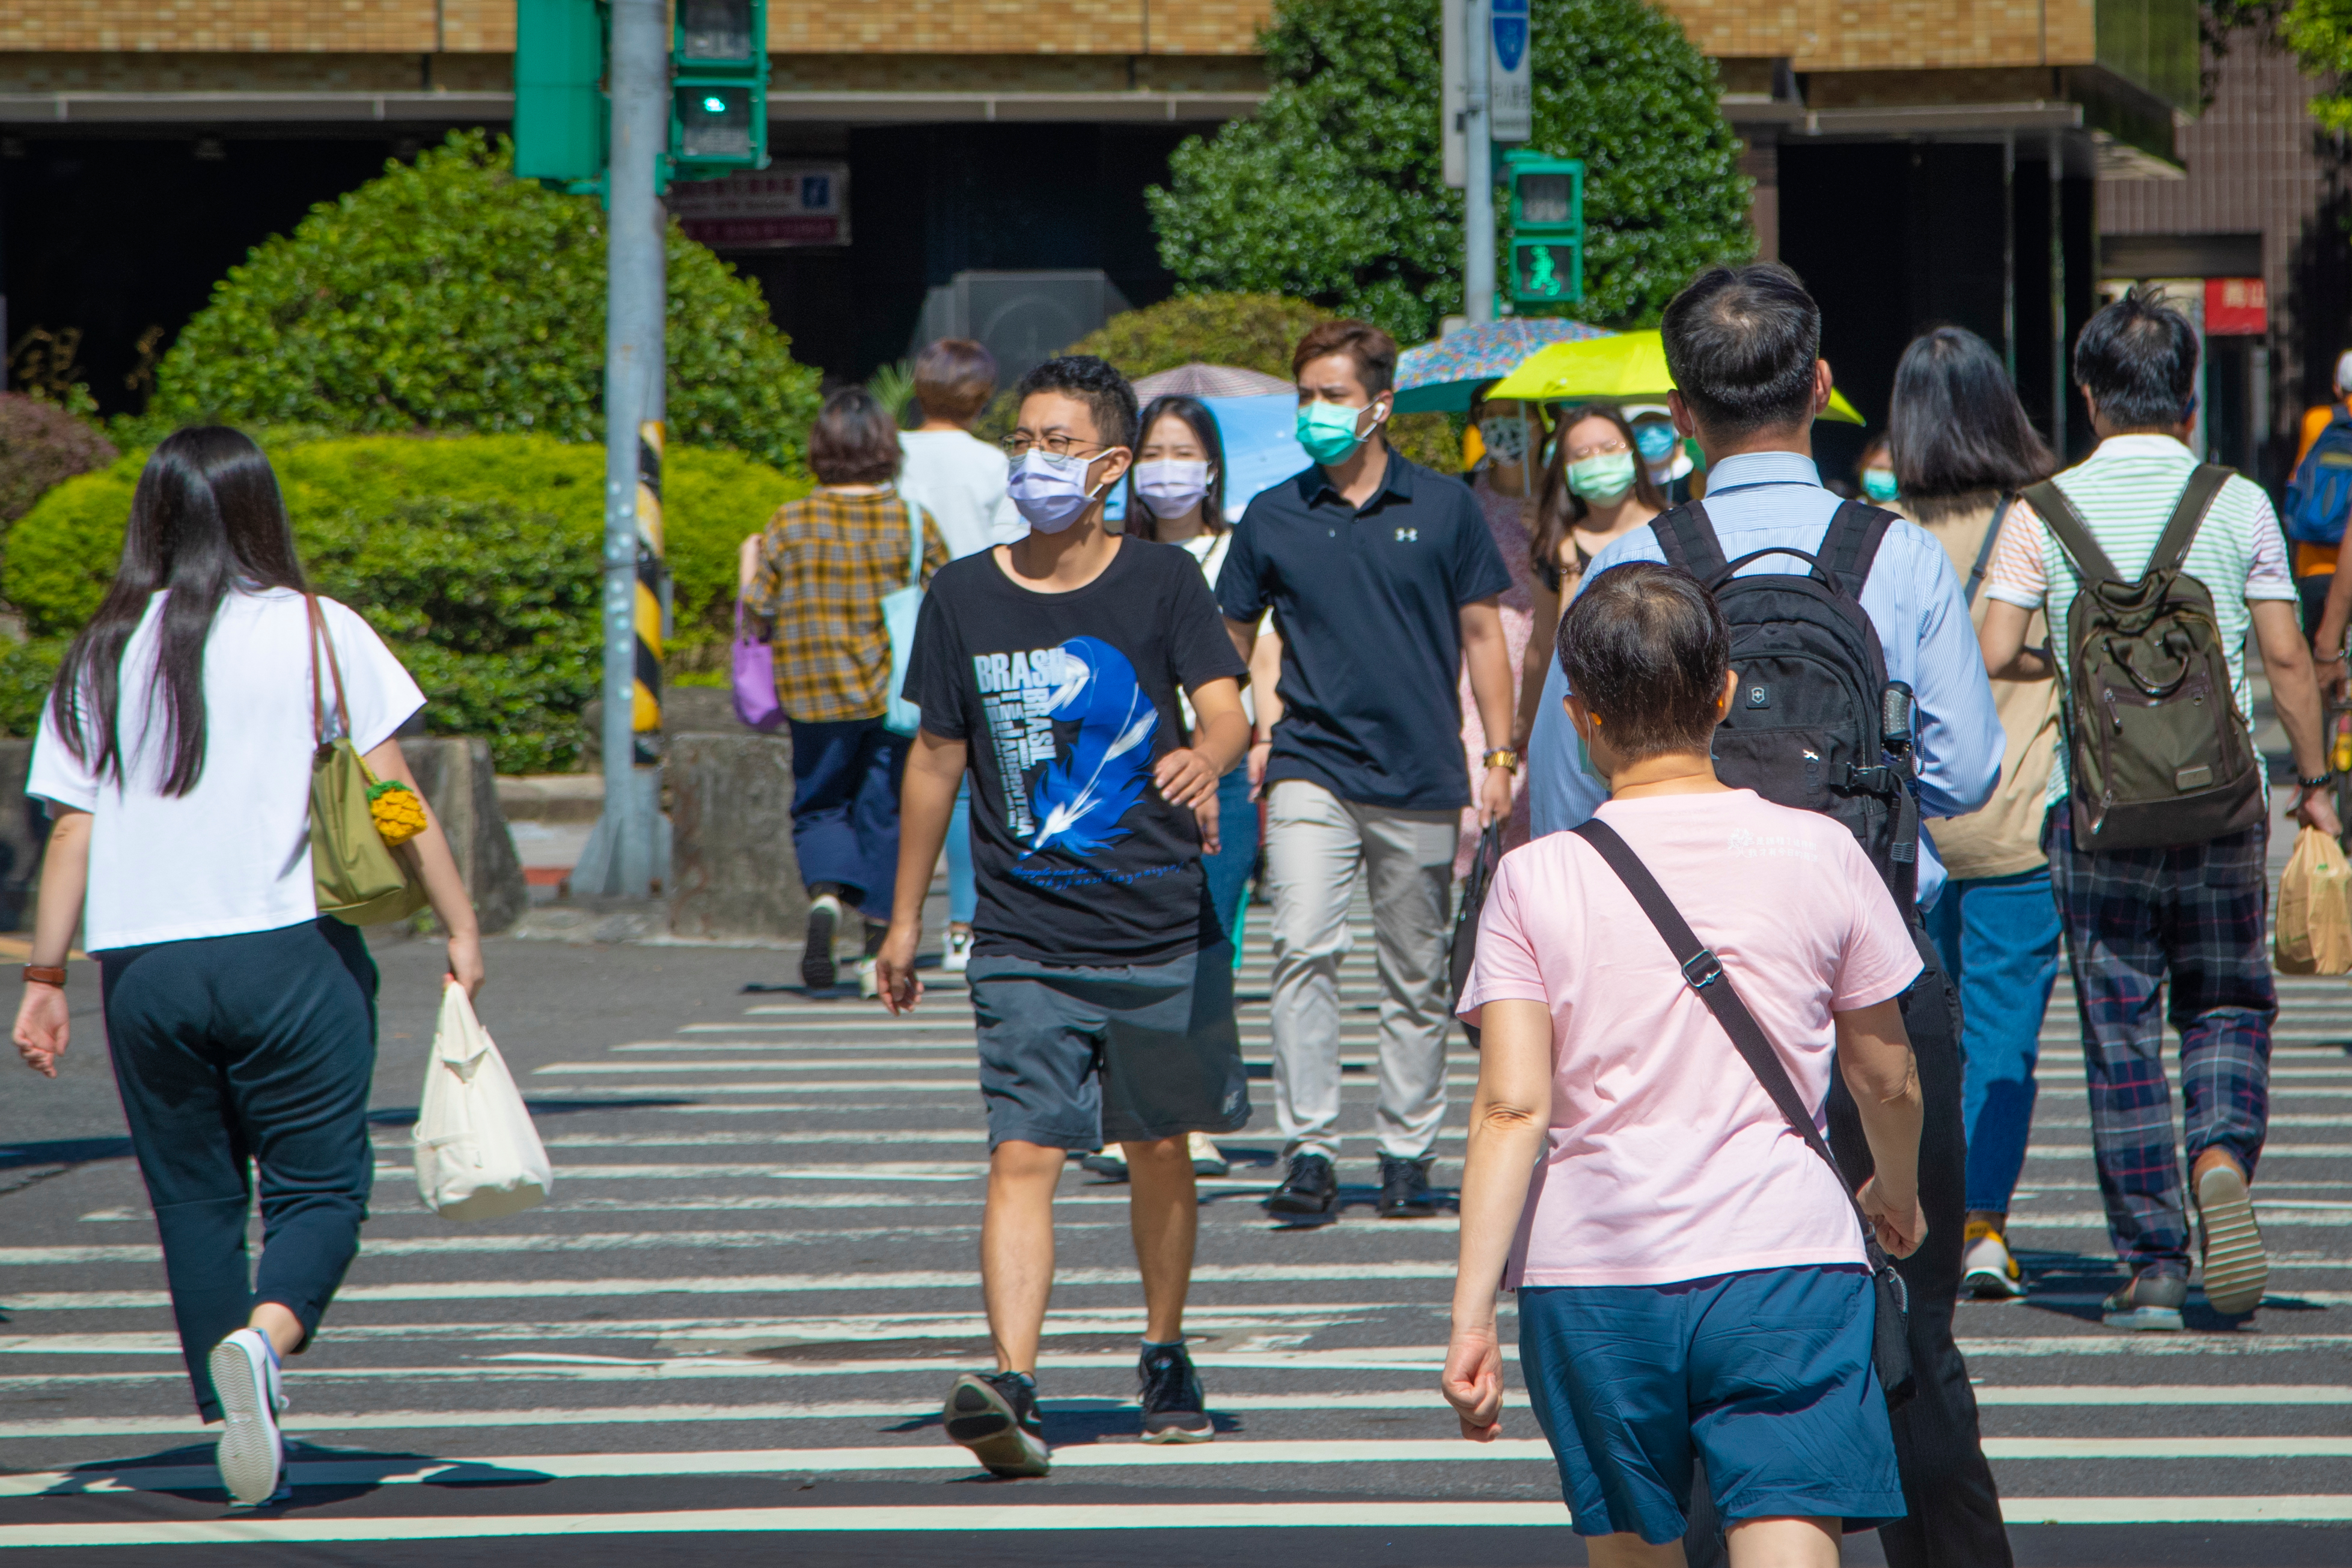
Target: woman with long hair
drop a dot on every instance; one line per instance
(176, 752)
(1596, 487)
(1961, 447)
(1511, 436)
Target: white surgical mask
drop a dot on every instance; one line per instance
(1172, 487)
(1506, 435)
(1050, 492)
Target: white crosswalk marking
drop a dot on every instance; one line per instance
(760, 1263)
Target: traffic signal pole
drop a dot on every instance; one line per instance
(1478, 188)
(634, 366)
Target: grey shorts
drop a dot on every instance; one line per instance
(1074, 1056)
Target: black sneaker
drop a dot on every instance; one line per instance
(996, 1418)
(817, 947)
(1172, 1397)
(1309, 1195)
(1404, 1189)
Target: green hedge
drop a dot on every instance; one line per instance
(448, 295)
(475, 557)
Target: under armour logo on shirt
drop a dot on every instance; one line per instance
(1408, 536)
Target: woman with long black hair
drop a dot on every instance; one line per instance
(1961, 447)
(175, 753)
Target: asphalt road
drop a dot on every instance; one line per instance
(732, 1326)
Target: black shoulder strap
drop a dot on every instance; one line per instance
(1851, 543)
(1984, 551)
(1687, 538)
(1706, 977)
(2073, 536)
(2188, 515)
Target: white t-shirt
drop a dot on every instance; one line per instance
(232, 854)
(1667, 1159)
(959, 479)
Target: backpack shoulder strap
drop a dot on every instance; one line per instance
(1686, 537)
(2073, 536)
(1984, 551)
(1851, 544)
(2188, 514)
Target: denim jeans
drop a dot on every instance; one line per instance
(1998, 937)
(1228, 871)
(845, 778)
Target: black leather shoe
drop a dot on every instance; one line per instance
(1404, 1189)
(1309, 1195)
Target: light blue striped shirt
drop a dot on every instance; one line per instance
(1759, 500)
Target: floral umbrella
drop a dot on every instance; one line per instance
(1439, 377)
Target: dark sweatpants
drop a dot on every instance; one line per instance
(232, 1051)
(1953, 1519)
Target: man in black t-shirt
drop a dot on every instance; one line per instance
(1100, 975)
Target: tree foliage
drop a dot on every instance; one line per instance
(449, 296)
(2319, 32)
(477, 559)
(1335, 192)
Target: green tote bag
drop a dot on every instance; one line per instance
(360, 880)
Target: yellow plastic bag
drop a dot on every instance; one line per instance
(2315, 909)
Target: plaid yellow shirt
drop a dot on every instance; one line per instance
(826, 562)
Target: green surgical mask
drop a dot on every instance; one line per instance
(1602, 477)
(1878, 483)
(1328, 431)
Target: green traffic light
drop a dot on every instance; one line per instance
(714, 104)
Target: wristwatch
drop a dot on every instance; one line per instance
(44, 975)
(1503, 756)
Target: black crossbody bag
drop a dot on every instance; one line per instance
(1890, 1347)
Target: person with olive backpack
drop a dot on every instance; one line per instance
(177, 752)
(2158, 830)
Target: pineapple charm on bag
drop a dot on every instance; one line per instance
(398, 812)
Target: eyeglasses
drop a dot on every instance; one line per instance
(1018, 446)
(1599, 449)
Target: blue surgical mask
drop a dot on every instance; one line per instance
(1050, 492)
(1879, 485)
(1654, 441)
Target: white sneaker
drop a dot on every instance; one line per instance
(252, 1452)
(1109, 1161)
(817, 945)
(870, 979)
(959, 956)
(1988, 1272)
(1207, 1160)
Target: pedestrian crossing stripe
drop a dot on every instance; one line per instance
(979, 1518)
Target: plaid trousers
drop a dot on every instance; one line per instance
(2135, 919)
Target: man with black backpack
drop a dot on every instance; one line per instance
(2159, 828)
(1861, 695)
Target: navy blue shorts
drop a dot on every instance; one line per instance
(1075, 1057)
(1766, 1376)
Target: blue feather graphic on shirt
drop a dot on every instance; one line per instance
(1079, 799)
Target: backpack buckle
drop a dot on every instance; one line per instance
(1701, 969)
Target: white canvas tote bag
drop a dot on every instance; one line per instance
(478, 1155)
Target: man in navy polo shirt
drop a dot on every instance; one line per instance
(1383, 580)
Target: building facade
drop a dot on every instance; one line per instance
(1917, 162)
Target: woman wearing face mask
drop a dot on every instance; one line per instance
(1504, 482)
(1176, 496)
(1875, 474)
(1595, 487)
(1658, 449)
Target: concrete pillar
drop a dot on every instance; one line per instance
(456, 775)
(23, 834)
(732, 874)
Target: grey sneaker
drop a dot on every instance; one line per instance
(252, 1452)
(817, 970)
(996, 1417)
(2152, 1301)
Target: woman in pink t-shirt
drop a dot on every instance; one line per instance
(1690, 1272)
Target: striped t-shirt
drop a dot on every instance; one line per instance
(2125, 493)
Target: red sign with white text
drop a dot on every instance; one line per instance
(2236, 307)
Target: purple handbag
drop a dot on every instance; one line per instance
(755, 679)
